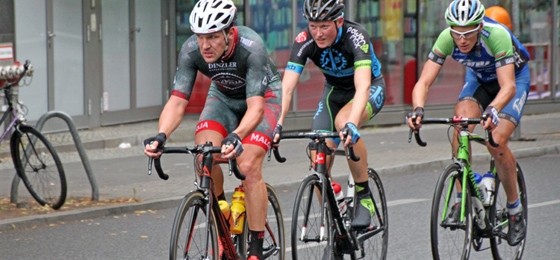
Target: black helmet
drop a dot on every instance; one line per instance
(322, 10)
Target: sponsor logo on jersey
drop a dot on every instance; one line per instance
(229, 81)
(356, 37)
(246, 41)
(365, 48)
(301, 37)
(333, 61)
(303, 47)
(222, 65)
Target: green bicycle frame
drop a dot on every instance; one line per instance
(463, 159)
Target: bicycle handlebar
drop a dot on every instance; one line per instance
(313, 136)
(14, 73)
(456, 121)
(197, 149)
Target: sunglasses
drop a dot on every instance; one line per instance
(464, 35)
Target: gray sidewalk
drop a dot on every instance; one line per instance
(389, 153)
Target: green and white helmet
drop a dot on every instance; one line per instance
(464, 13)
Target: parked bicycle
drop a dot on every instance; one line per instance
(201, 230)
(453, 234)
(321, 224)
(35, 160)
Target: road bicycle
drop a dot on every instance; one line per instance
(319, 229)
(200, 229)
(35, 159)
(477, 222)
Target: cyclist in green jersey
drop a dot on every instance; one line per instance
(496, 85)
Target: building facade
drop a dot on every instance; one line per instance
(108, 62)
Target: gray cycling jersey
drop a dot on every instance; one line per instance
(246, 73)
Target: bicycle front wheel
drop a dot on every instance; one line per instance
(39, 167)
(499, 220)
(375, 242)
(193, 236)
(274, 246)
(312, 231)
(450, 236)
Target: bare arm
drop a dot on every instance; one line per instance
(421, 88)
(362, 81)
(289, 82)
(506, 78)
(253, 116)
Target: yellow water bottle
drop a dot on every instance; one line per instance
(224, 207)
(237, 210)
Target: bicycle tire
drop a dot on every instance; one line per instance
(308, 204)
(186, 236)
(375, 247)
(498, 214)
(39, 167)
(274, 244)
(450, 242)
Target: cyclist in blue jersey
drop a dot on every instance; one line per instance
(496, 85)
(354, 88)
(242, 106)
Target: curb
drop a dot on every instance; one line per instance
(30, 221)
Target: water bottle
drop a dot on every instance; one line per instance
(479, 210)
(225, 208)
(480, 185)
(488, 180)
(339, 195)
(237, 210)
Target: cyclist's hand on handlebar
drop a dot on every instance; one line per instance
(350, 130)
(231, 146)
(277, 135)
(490, 113)
(414, 118)
(153, 144)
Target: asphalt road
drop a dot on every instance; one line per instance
(144, 234)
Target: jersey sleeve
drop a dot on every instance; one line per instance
(300, 51)
(442, 48)
(500, 44)
(258, 69)
(185, 74)
(361, 47)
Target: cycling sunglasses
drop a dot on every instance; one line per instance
(464, 35)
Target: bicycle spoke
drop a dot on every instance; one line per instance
(38, 165)
(499, 220)
(312, 235)
(450, 237)
(193, 237)
(374, 242)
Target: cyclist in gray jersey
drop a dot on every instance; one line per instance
(496, 85)
(354, 90)
(242, 105)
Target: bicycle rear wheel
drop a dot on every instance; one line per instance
(451, 239)
(499, 220)
(192, 236)
(274, 246)
(312, 231)
(375, 241)
(39, 167)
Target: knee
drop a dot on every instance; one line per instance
(502, 142)
(251, 170)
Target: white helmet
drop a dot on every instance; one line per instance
(209, 16)
(464, 13)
